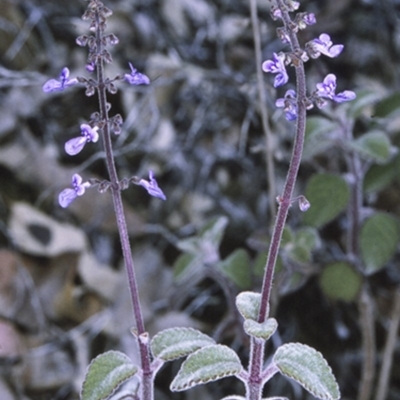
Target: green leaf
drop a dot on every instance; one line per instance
(388, 106)
(105, 374)
(214, 230)
(318, 136)
(205, 365)
(307, 367)
(248, 304)
(378, 177)
(373, 146)
(307, 238)
(340, 281)
(174, 343)
(378, 241)
(364, 100)
(328, 195)
(186, 265)
(260, 330)
(237, 267)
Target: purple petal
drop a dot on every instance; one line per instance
(90, 133)
(152, 187)
(136, 78)
(310, 19)
(347, 95)
(56, 85)
(281, 79)
(335, 50)
(66, 197)
(75, 145)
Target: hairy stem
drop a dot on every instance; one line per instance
(255, 384)
(147, 382)
(264, 114)
(286, 199)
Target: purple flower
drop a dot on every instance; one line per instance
(309, 19)
(327, 90)
(324, 45)
(277, 66)
(57, 85)
(289, 104)
(67, 196)
(136, 78)
(88, 134)
(152, 187)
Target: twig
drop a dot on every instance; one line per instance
(388, 352)
(264, 114)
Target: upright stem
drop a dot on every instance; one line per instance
(254, 389)
(286, 199)
(144, 349)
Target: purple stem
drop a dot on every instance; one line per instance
(257, 348)
(144, 347)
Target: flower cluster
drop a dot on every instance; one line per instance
(90, 132)
(313, 49)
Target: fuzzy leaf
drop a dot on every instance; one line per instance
(340, 281)
(237, 267)
(105, 374)
(260, 330)
(307, 367)
(248, 304)
(174, 343)
(319, 131)
(378, 241)
(373, 146)
(205, 365)
(328, 195)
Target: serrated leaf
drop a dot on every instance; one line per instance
(307, 367)
(378, 241)
(340, 281)
(328, 195)
(373, 146)
(174, 343)
(237, 268)
(260, 330)
(105, 374)
(205, 365)
(248, 304)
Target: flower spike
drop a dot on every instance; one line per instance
(152, 187)
(88, 134)
(136, 78)
(57, 85)
(67, 196)
(277, 66)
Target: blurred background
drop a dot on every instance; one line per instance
(198, 126)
